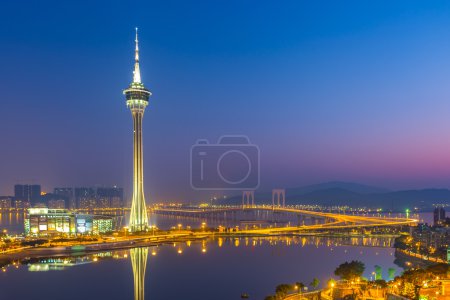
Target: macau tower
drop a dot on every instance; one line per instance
(137, 100)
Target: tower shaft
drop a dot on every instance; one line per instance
(138, 216)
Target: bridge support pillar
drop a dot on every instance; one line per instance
(249, 197)
(280, 194)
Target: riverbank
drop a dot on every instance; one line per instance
(59, 247)
(77, 248)
(407, 259)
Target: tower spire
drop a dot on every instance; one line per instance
(136, 72)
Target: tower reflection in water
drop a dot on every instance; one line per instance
(139, 263)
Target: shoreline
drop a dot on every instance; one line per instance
(127, 242)
(92, 248)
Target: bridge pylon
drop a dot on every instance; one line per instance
(280, 194)
(248, 197)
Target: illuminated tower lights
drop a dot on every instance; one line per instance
(137, 100)
(139, 263)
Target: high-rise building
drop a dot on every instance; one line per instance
(28, 193)
(67, 194)
(109, 197)
(439, 215)
(137, 100)
(85, 198)
(90, 197)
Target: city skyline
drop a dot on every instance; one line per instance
(293, 150)
(357, 93)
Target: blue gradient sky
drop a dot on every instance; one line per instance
(354, 90)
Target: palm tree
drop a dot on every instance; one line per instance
(315, 283)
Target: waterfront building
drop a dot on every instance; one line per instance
(137, 100)
(50, 222)
(102, 224)
(28, 193)
(20, 204)
(94, 224)
(44, 221)
(439, 215)
(5, 203)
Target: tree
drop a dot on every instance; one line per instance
(381, 283)
(391, 273)
(282, 289)
(300, 285)
(350, 270)
(315, 283)
(363, 288)
(378, 272)
(412, 281)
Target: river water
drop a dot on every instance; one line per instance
(220, 269)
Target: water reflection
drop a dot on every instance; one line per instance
(139, 263)
(234, 258)
(138, 257)
(317, 241)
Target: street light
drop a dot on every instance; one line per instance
(299, 290)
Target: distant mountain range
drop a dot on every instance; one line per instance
(356, 195)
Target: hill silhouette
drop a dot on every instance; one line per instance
(355, 195)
